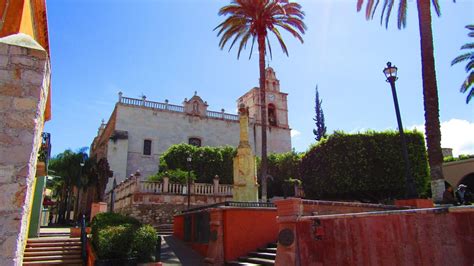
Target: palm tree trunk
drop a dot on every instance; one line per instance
(263, 102)
(430, 97)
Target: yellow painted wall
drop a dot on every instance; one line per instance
(26, 25)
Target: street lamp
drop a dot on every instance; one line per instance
(391, 75)
(189, 159)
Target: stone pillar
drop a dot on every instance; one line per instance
(24, 86)
(137, 181)
(166, 183)
(216, 185)
(98, 207)
(245, 175)
(215, 250)
(288, 211)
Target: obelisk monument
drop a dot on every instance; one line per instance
(245, 174)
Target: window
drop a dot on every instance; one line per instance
(272, 115)
(195, 142)
(147, 147)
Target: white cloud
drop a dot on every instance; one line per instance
(456, 134)
(295, 133)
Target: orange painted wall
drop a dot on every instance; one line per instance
(420, 237)
(245, 230)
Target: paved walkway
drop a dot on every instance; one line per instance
(175, 252)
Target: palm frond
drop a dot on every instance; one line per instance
(389, 12)
(468, 46)
(280, 40)
(253, 18)
(402, 14)
(468, 83)
(436, 7)
(470, 65)
(462, 58)
(370, 4)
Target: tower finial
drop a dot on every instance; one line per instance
(195, 93)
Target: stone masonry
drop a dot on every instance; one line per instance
(24, 83)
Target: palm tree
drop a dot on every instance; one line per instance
(430, 88)
(469, 56)
(253, 20)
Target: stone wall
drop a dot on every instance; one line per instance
(24, 83)
(153, 214)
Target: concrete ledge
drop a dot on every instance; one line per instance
(440, 210)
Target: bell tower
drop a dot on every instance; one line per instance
(278, 129)
(277, 104)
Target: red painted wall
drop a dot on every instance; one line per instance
(245, 230)
(431, 237)
(178, 227)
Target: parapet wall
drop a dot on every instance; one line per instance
(435, 236)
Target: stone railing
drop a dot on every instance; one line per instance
(173, 108)
(135, 191)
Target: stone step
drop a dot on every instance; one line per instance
(52, 252)
(257, 260)
(53, 257)
(58, 248)
(53, 244)
(53, 239)
(74, 262)
(263, 255)
(272, 245)
(268, 250)
(237, 263)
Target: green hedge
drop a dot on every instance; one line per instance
(284, 171)
(114, 241)
(144, 243)
(206, 163)
(113, 231)
(365, 166)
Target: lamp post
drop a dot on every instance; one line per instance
(391, 75)
(82, 182)
(189, 159)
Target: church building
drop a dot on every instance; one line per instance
(139, 130)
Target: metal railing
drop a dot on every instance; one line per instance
(83, 240)
(239, 204)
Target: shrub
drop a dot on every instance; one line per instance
(282, 168)
(114, 241)
(144, 243)
(206, 163)
(105, 220)
(365, 166)
(175, 176)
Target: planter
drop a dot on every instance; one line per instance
(116, 262)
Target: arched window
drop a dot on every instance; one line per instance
(272, 118)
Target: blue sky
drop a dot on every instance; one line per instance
(166, 49)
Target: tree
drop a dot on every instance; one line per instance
(430, 88)
(469, 56)
(253, 20)
(67, 166)
(320, 130)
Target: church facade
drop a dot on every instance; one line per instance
(139, 131)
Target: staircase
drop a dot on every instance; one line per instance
(263, 256)
(53, 250)
(164, 229)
